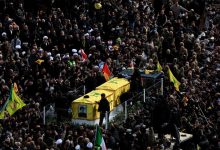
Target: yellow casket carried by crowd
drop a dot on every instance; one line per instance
(116, 85)
(87, 108)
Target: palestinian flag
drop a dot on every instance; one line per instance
(99, 141)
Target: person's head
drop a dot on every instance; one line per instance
(168, 51)
(176, 2)
(162, 12)
(103, 95)
(10, 27)
(77, 147)
(20, 5)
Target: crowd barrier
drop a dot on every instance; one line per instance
(137, 102)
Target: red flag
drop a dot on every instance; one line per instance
(106, 72)
(83, 54)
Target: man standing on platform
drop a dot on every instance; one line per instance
(103, 108)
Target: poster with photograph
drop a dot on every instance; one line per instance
(82, 111)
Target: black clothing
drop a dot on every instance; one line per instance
(103, 107)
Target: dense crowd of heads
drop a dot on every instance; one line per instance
(41, 51)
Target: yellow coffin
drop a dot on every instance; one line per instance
(116, 85)
(87, 108)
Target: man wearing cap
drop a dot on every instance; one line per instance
(3, 37)
(89, 145)
(103, 108)
(46, 43)
(77, 147)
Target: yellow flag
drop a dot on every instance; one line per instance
(15, 103)
(148, 71)
(2, 111)
(174, 80)
(159, 67)
(39, 61)
(2, 114)
(198, 147)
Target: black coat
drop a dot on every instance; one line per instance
(103, 105)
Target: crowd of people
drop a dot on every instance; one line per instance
(42, 51)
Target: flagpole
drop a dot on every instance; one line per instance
(106, 120)
(126, 113)
(84, 89)
(44, 118)
(95, 134)
(8, 99)
(161, 86)
(5, 4)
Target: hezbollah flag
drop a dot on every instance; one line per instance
(159, 67)
(174, 80)
(15, 103)
(106, 72)
(39, 61)
(99, 141)
(2, 114)
(98, 5)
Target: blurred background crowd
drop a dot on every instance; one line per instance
(41, 50)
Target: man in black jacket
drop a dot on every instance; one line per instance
(103, 108)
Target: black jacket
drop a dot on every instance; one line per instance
(103, 105)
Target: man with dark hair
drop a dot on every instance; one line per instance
(136, 81)
(103, 108)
